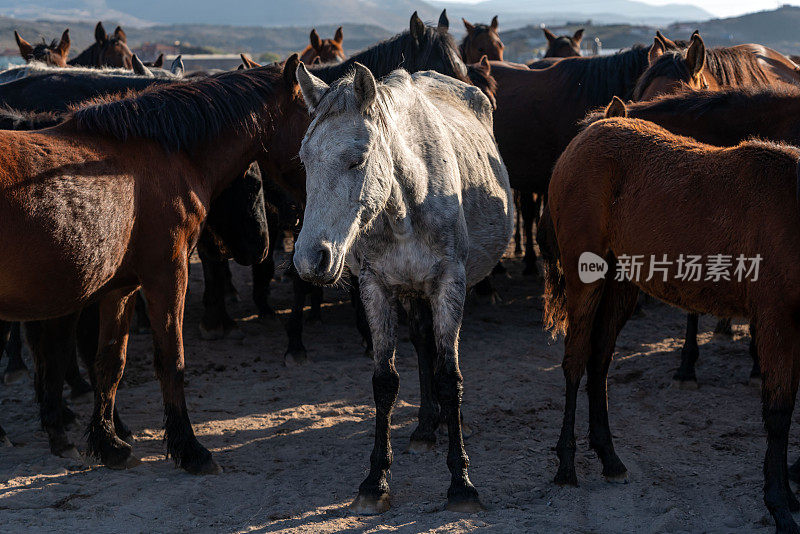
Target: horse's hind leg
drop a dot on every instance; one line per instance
(52, 343)
(724, 328)
(166, 297)
(262, 277)
(373, 493)
(5, 328)
(581, 307)
(215, 322)
(16, 369)
(755, 371)
(115, 312)
(616, 306)
(780, 374)
(72, 374)
(685, 376)
(517, 223)
(447, 306)
(421, 332)
(528, 209)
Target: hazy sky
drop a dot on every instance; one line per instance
(722, 8)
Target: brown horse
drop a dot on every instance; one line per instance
(563, 45)
(107, 50)
(323, 50)
(701, 68)
(54, 54)
(481, 40)
(616, 192)
(114, 199)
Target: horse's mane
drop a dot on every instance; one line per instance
(480, 79)
(599, 78)
(479, 29)
(729, 66)
(183, 114)
(13, 119)
(38, 68)
(401, 51)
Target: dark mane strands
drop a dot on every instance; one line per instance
(401, 51)
(181, 115)
(598, 79)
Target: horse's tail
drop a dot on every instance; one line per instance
(555, 297)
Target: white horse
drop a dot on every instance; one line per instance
(405, 180)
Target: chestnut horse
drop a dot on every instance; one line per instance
(106, 51)
(327, 50)
(617, 191)
(54, 54)
(481, 40)
(700, 68)
(140, 188)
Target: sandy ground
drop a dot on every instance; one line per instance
(295, 442)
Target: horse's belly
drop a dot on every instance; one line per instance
(61, 240)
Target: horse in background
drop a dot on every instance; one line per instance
(422, 204)
(324, 50)
(481, 40)
(54, 54)
(563, 45)
(106, 51)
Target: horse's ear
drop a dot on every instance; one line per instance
(63, 44)
(311, 87)
(338, 37)
(494, 25)
(365, 87)
(668, 43)
(470, 28)
(159, 62)
(416, 27)
(551, 37)
(119, 34)
(100, 34)
(177, 67)
(578, 36)
(444, 22)
(484, 64)
(290, 71)
(696, 55)
(248, 63)
(138, 67)
(616, 108)
(656, 51)
(25, 48)
(316, 42)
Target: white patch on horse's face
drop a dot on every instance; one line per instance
(348, 180)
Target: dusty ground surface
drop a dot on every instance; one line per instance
(295, 442)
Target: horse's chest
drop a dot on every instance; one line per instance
(408, 266)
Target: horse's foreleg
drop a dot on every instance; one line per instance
(166, 296)
(420, 323)
(296, 352)
(755, 371)
(517, 223)
(262, 277)
(231, 293)
(5, 328)
(780, 374)
(215, 321)
(361, 316)
(72, 374)
(115, 311)
(315, 296)
(52, 343)
(685, 376)
(15, 369)
(616, 306)
(373, 493)
(528, 209)
(447, 311)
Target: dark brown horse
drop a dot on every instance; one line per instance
(54, 54)
(106, 51)
(563, 45)
(481, 40)
(326, 50)
(700, 68)
(616, 192)
(100, 180)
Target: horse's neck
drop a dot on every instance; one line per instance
(85, 58)
(223, 159)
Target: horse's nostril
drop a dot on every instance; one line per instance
(323, 260)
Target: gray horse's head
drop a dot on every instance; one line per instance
(349, 169)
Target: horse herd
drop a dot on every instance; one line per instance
(396, 167)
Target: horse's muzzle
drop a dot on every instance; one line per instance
(317, 265)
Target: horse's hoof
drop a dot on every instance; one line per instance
(295, 358)
(208, 467)
(12, 377)
(622, 478)
(471, 505)
(211, 334)
(129, 462)
(235, 333)
(72, 453)
(370, 505)
(420, 447)
(566, 478)
(754, 381)
(686, 384)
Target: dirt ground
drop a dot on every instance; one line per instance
(294, 443)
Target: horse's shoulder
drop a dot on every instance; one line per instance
(438, 85)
